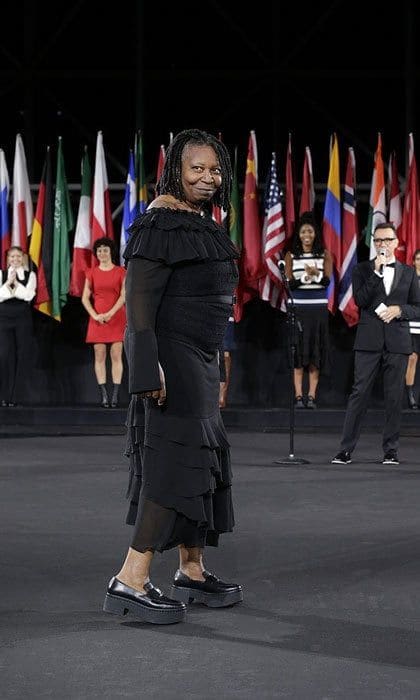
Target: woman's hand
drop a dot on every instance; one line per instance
(11, 280)
(311, 270)
(222, 394)
(160, 394)
(107, 317)
(100, 318)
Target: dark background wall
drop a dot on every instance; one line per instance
(310, 69)
(278, 67)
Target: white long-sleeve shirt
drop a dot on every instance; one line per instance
(24, 292)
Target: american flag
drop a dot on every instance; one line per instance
(274, 237)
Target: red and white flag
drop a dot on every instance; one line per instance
(101, 211)
(161, 162)
(274, 237)
(349, 239)
(394, 204)
(23, 213)
(410, 226)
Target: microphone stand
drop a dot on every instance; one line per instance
(294, 327)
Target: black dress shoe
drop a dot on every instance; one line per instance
(151, 606)
(342, 457)
(211, 592)
(391, 457)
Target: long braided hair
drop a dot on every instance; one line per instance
(170, 180)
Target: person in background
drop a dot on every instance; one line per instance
(415, 335)
(181, 274)
(104, 299)
(388, 296)
(17, 290)
(308, 270)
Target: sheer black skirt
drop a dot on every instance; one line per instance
(180, 473)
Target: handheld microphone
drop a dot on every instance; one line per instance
(382, 253)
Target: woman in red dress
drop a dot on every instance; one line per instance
(104, 300)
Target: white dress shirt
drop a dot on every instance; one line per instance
(19, 290)
(388, 274)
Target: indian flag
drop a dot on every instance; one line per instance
(377, 200)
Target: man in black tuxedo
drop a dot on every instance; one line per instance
(387, 294)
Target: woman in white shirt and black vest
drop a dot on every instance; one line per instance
(17, 289)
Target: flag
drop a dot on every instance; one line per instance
(307, 200)
(218, 214)
(23, 213)
(63, 224)
(377, 203)
(350, 235)
(331, 225)
(411, 213)
(41, 246)
(140, 174)
(394, 204)
(251, 264)
(82, 248)
(290, 213)
(235, 223)
(4, 210)
(101, 215)
(161, 163)
(130, 205)
(274, 236)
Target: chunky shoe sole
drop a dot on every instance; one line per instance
(212, 600)
(121, 606)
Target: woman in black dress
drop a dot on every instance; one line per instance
(17, 290)
(180, 279)
(308, 269)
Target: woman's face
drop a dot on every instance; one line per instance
(201, 174)
(15, 258)
(417, 263)
(307, 236)
(103, 253)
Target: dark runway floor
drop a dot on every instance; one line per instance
(328, 556)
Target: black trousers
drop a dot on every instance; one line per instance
(393, 366)
(16, 331)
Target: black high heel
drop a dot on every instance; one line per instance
(410, 396)
(104, 395)
(114, 400)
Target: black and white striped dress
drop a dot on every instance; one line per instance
(415, 331)
(311, 304)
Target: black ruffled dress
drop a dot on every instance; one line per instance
(181, 274)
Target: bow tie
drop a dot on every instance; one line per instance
(390, 265)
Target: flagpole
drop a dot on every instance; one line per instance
(294, 328)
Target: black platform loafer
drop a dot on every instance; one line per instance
(151, 606)
(211, 592)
